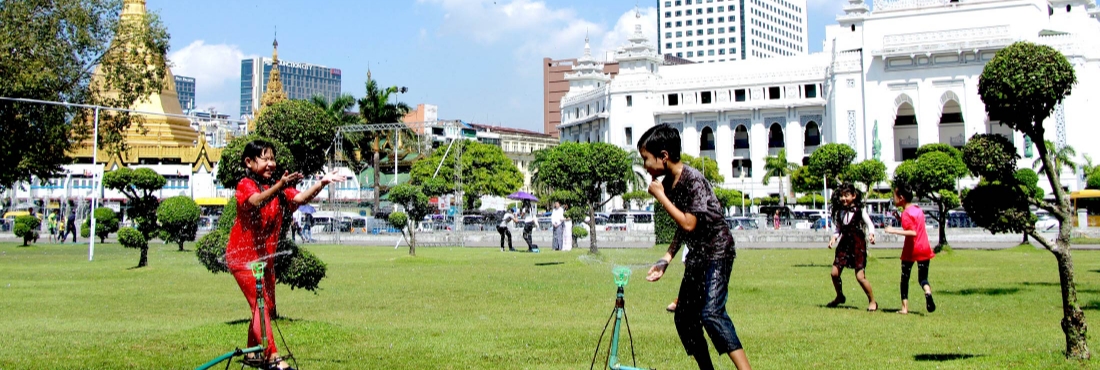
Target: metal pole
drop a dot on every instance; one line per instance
(95, 183)
(394, 143)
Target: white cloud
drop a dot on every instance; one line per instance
(214, 67)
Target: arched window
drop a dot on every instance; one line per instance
(813, 134)
(952, 128)
(905, 132)
(775, 136)
(706, 139)
(741, 138)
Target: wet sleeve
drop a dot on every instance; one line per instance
(245, 189)
(290, 194)
(867, 221)
(907, 221)
(700, 193)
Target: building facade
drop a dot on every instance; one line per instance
(887, 82)
(185, 88)
(300, 81)
(520, 146)
(422, 113)
(554, 87)
(728, 30)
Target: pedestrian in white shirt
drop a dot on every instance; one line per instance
(502, 228)
(557, 218)
(567, 244)
(529, 223)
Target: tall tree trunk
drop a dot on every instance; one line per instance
(181, 245)
(782, 195)
(412, 240)
(943, 226)
(144, 257)
(1073, 319)
(1025, 241)
(377, 178)
(592, 229)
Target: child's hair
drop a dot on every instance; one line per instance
(661, 137)
(846, 188)
(255, 149)
(904, 192)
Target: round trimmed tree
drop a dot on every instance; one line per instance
(26, 227)
(132, 238)
(106, 222)
(305, 129)
(179, 219)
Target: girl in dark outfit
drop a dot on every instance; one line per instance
(851, 243)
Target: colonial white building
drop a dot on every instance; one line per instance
(888, 81)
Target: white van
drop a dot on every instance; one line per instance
(626, 220)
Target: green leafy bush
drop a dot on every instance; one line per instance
(231, 170)
(26, 227)
(298, 267)
(229, 215)
(132, 238)
(210, 250)
(579, 232)
(106, 222)
(664, 225)
(179, 220)
(399, 220)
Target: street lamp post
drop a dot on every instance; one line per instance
(95, 183)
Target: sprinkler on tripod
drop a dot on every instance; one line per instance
(621, 277)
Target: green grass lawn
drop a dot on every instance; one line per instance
(483, 309)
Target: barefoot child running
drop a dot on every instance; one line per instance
(854, 229)
(262, 199)
(916, 248)
(690, 201)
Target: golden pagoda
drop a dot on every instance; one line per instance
(165, 138)
(274, 92)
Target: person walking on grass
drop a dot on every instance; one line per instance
(502, 228)
(530, 222)
(262, 200)
(691, 203)
(916, 248)
(853, 230)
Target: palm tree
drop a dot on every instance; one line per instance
(340, 109)
(1061, 158)
(1088, 168)
(778, 166)
(374, 108)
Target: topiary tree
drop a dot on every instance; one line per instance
(1021, 86)
(26, 227)
(708, 167)
(485, 171)
(829, 162)
(298, 268)
(106, 222)
(132, 238)
(416, 206)
(139, 187)
(579, 232)
(933, 176)
(210, 250)
(636, 198)
(728, 198)
(229, 215)
(305, 129)
(179, 219)
(868, 173)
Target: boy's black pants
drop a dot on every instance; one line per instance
(702, 305)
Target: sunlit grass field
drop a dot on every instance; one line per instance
(478, 308)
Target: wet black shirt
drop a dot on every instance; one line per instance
(711, 239)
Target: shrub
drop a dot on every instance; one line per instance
(179, 219)
(579, 232)
(131, 238)
(26, 227)
(399, 220)
(298, 267)
(664, 225)
(106, 222)
(229, 216)
(231, 170)
(210, 250)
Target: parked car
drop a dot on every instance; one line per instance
(819, 224)
(1046, 222)
(742, 223)
(881, 220)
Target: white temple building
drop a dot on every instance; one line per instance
(886, 82)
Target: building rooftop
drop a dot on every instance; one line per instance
(508, 130)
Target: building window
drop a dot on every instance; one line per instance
(629, 101)
(629, 136)
(679, 44)
(811, 90)
(722, 52)
(690, 53)
(774, 93)
(674, 99)
(739, 95)
(679, 34)
(706, 97)
(710, 52)
(668, 45)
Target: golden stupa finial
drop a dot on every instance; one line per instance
(133, 9)
(274, 92)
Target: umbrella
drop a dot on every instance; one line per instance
(307, 209)
(519, 195)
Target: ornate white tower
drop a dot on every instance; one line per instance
(587, 74)
(638, 57)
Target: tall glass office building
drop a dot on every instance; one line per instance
(300, 81)
(185, 88)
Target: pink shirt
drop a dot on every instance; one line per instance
(916, 248)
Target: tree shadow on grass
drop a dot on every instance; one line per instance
(982, 291)
(895, 310)
(812, 265)
(549, 263)
(940, 357)
(1093, 305)
(246, 321)
(1040, 283)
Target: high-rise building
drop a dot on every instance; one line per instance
(185, 88)
(300, 81)
(719, 31)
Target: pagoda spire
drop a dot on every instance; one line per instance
(274, 92)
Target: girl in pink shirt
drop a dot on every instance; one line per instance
(916, 248)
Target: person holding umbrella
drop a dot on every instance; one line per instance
(530, 222)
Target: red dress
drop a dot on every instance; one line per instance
(255, 235)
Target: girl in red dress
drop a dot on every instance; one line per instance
(262, 200)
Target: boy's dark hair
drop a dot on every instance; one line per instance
(255, 149)
(661, 138)
(904, 192)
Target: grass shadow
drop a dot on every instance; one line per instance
(549, 263)
(812, 265)
(277, 318)
(940, 357)
(840, 307)
(1093, 305)
(896, 310)
(982, 291)
(1043, 283)
(888, 258)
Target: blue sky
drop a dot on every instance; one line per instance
(478, 60)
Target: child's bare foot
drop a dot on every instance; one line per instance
(872, 307)
(903, 312)
(671, 307)
(836, 302)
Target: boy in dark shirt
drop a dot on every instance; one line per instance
(690, 201)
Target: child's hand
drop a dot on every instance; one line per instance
(657, 271)
(290, 178)
(331, 178)
(831, 242)
(872, 238)
(891, 230)
(655, 187)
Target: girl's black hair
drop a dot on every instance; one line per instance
(838, 206)
(254, 150)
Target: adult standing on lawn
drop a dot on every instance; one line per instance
(916, 249)
(567, 243)
(261, 200)
(530, 222)
(502, 228)
(557, 218)
(70, 226)
(700, 225)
